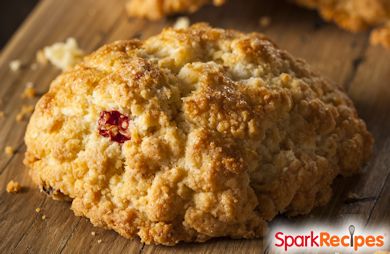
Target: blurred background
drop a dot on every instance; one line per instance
(12, 14)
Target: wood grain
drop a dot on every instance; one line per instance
(346, 59)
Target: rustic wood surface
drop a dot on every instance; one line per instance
(346, 59)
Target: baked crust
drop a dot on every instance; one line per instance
(357, 15)
(353, 15)
(157, 9)
(226, 131)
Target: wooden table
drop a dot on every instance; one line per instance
(345, 58)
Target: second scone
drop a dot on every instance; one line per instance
(193, 134)
(353, 15)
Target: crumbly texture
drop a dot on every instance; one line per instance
(13, 187)
(157, 9)
(63, 55)
(226, 131)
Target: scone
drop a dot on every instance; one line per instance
(193, 134)
(352, 15)
(157, 9)
(356, 15)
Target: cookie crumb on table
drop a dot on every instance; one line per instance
(62, 54)
(93, 233)
(29, 92)
(43, 217)
(13, 187)
(41, 58)
(15, 65)
(182, 23)
(9, 150)
(100, 240)
(24, 112)
(37, 209)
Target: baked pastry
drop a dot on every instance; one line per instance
(356, 15)
(157, 9)
(192, 134)
(352, 15)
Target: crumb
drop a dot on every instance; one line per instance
(100, 240)
(63, 54)
(182, 23)
(41, 58)
(93, 233)
(29, 92)
(15, 65)
(13, 187)
(9, 150)
(25, 112)
(43, 217)
(381, 36)
(37, 209)
(265, 21)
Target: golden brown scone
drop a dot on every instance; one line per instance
(157, 9)
(356, 15)
(353, 15)
(192, 134)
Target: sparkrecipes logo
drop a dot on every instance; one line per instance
(347, 237)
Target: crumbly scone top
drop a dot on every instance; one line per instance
(225, 131)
